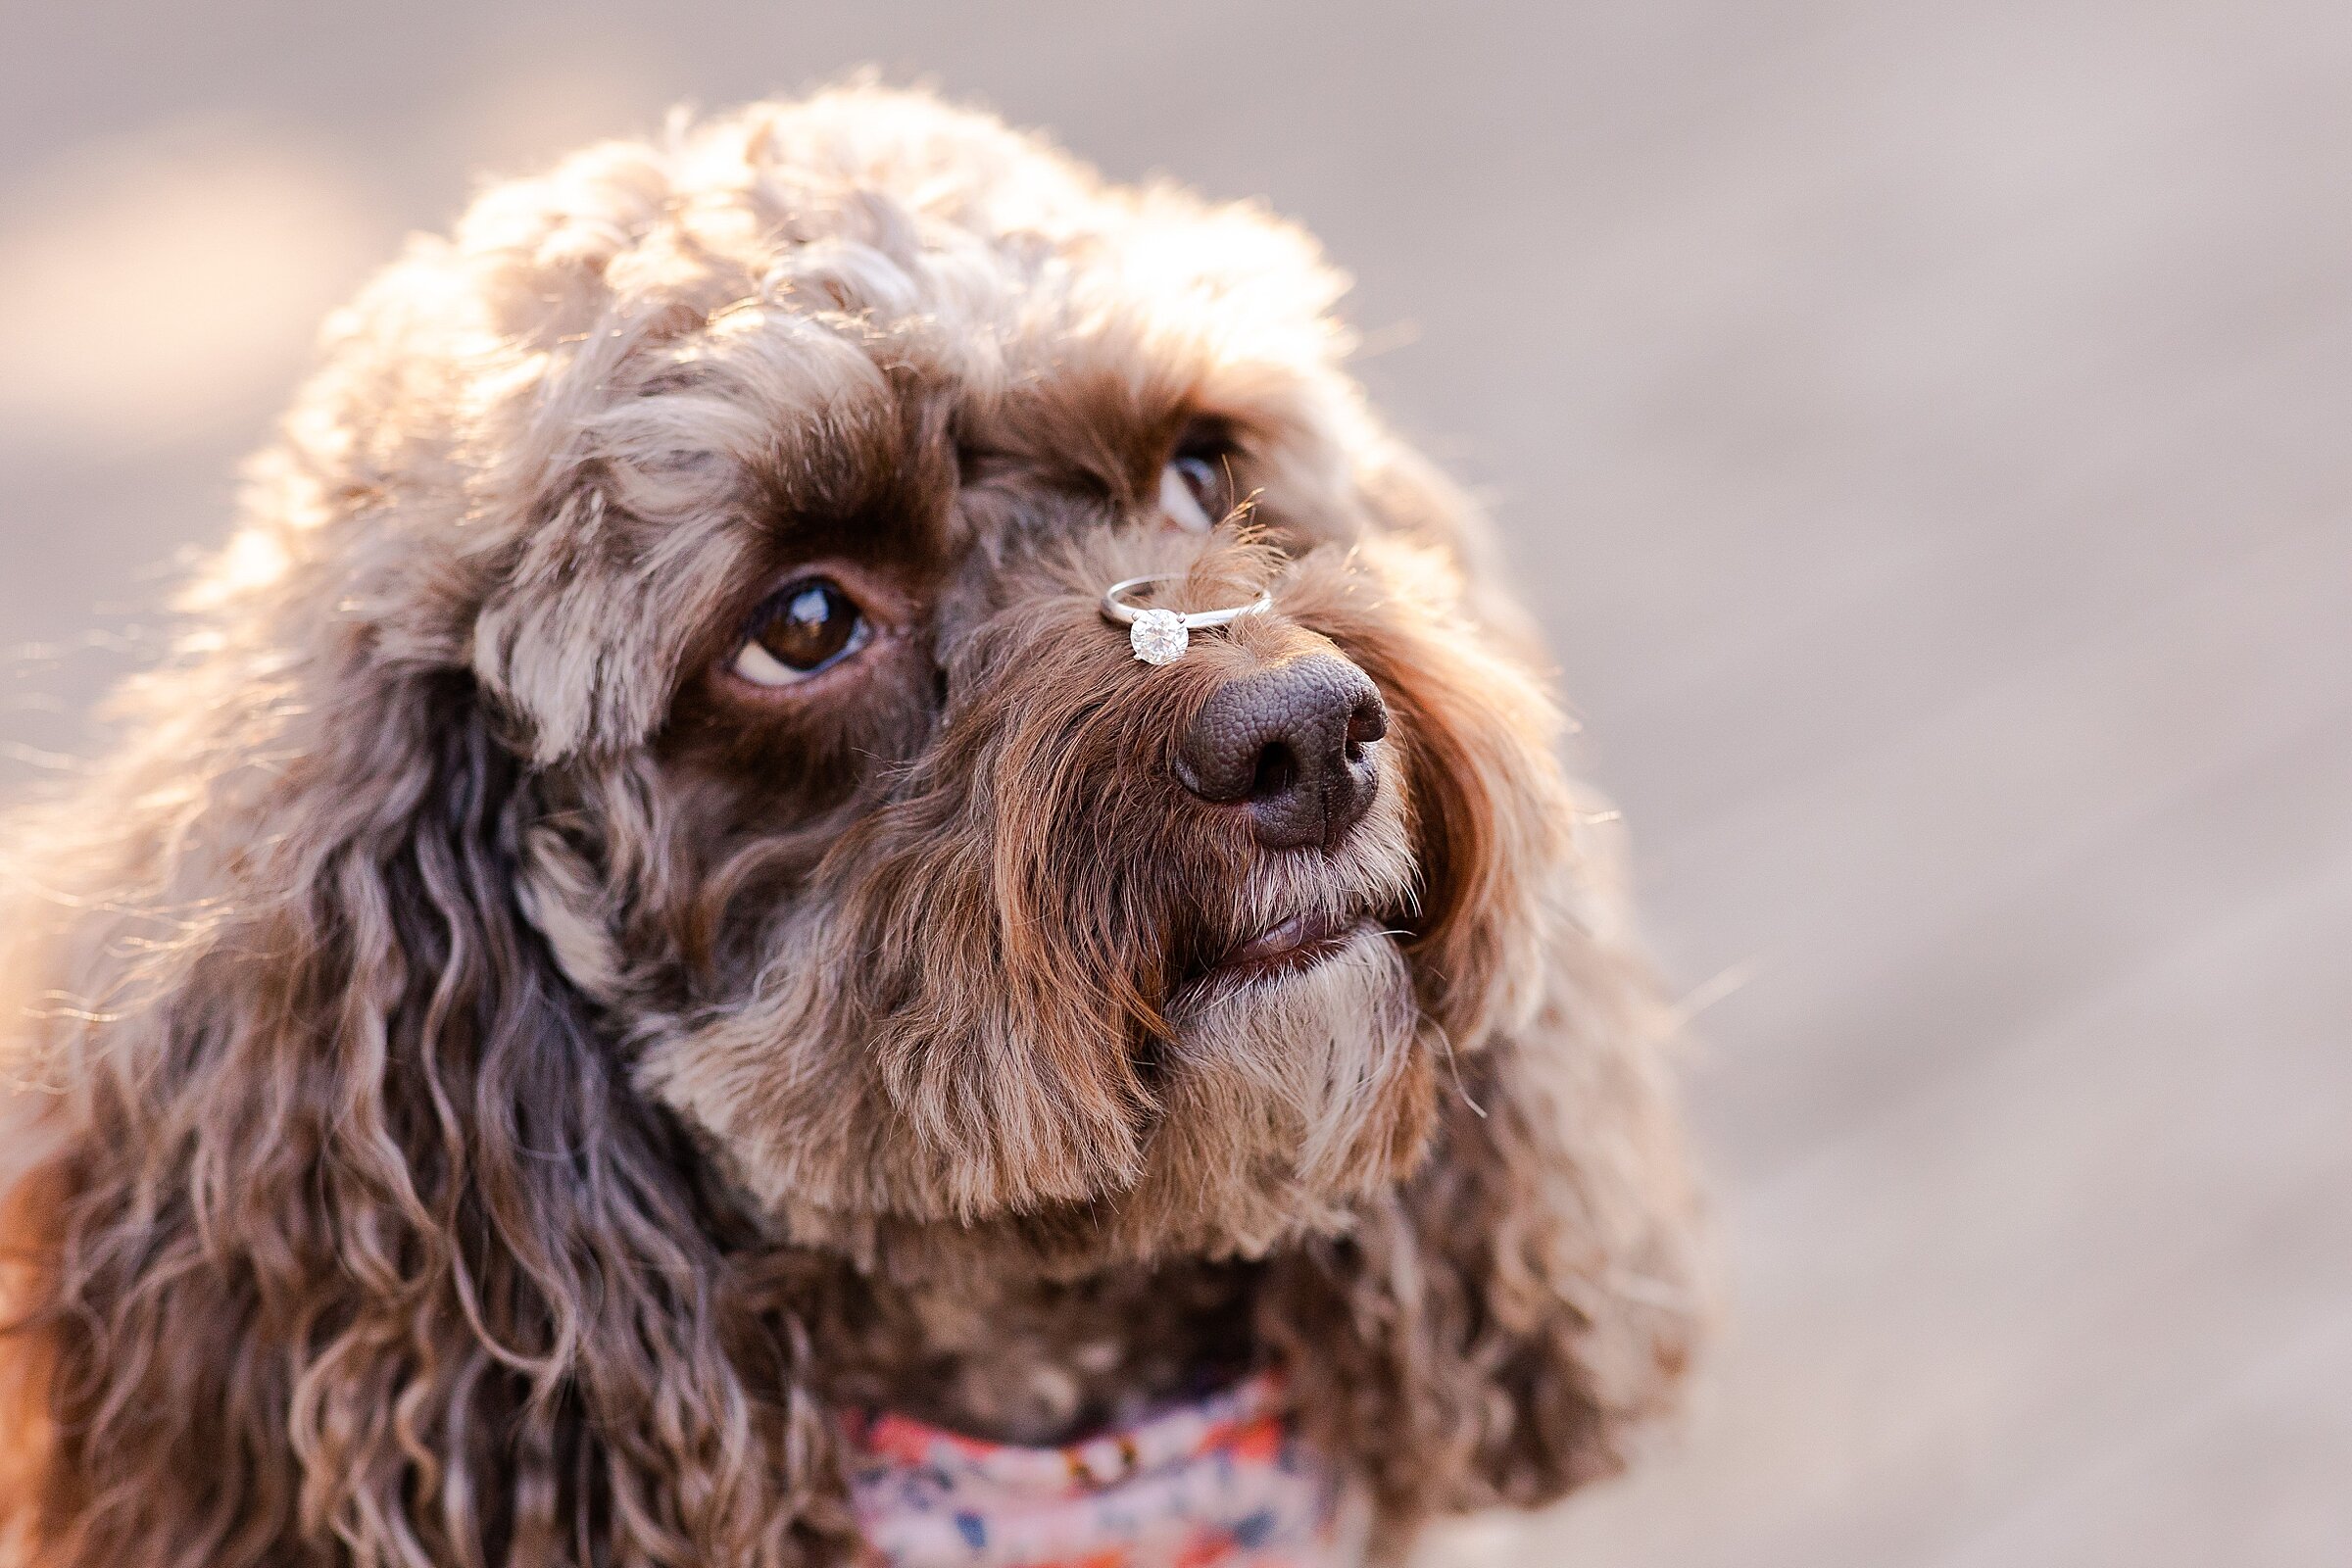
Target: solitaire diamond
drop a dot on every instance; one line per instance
(1159, 636)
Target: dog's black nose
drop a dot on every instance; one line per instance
(1293, 741)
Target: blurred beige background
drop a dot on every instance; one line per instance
(1922, 427)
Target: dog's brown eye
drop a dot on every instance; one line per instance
(808, 626)
(1188, 488)
(1195, 488)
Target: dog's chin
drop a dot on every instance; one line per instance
(1299, 1081)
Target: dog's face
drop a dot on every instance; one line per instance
(915, 894)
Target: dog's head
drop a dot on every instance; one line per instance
(791, 482)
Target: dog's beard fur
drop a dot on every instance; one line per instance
(449, 998)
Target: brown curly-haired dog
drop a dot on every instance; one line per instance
(650, 912)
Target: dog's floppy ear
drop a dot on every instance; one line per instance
(352, 1240)
(1498, 1330)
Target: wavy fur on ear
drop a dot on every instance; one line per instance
(1498, 1330)
(348, 1243)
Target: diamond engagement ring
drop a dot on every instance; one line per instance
(1161, 636)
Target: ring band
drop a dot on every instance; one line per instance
(1195, 620)
(1161, 636)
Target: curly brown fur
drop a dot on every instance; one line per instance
(490, 1085)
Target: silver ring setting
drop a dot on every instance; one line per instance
(1161, 636)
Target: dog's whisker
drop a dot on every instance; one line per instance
(1714, 991)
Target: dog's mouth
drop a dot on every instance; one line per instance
(1288, 947)
(1303, 939)
(1289, 916)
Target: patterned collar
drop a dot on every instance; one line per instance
(1219, 1483)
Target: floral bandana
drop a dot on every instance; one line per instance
(1220, 1482)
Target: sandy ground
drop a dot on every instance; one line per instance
(1920, 429)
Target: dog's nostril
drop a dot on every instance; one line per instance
(1277, 771)
(1288, 742)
